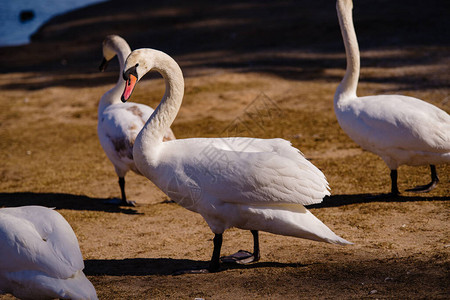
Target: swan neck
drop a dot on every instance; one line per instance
(347, 87)
(112, 96)
(122, 50)
(162, 118)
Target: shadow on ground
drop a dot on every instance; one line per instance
(162, 266)
(61, 201)
(342, 200)
(265, 36)
(80, 202)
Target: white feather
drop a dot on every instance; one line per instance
(40, 257)
(401, 130)
(238, 182)
(119, 123)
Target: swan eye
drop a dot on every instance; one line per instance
(130, 71)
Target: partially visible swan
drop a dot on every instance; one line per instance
(119, 123)
(401, 130)
(40, 257)
(248, 183)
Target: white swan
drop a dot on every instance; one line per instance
(401, 130)
(248, 183)
(119, 123)
(40, 257)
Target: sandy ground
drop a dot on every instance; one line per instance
(236, 57)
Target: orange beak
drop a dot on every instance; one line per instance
(129, 87)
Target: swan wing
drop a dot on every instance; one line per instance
(391, 121)
(35, 238)
(242, 171)
(119, 126)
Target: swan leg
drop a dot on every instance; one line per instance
(245, 257)
(394, 186)
(427, 187)
(124, 201)
(256, 253)
(122, 188)
(214, 264)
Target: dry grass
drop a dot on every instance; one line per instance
(51, 156)
(51, 152)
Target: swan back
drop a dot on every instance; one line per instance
(39, 249)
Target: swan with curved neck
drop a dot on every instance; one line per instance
(252, 184)
(401, 130)
(40, 257)
(119, 123)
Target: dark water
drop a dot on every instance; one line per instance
(14, 31)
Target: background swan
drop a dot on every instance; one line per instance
(119, 123)
(401, 130)
(248, 183)
(40, 257)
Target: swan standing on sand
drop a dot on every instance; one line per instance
(40, 257)
(248, 183)
(119, 123)
(401, 130)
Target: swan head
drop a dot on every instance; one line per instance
(136, 66)
(111, 46)
(131, 77)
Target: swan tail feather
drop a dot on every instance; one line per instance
(289, 220)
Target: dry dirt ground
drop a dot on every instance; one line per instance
(240, 59)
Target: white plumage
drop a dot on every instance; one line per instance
(401, 130)
(248, 183)
(40, 257)
(119, 123)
